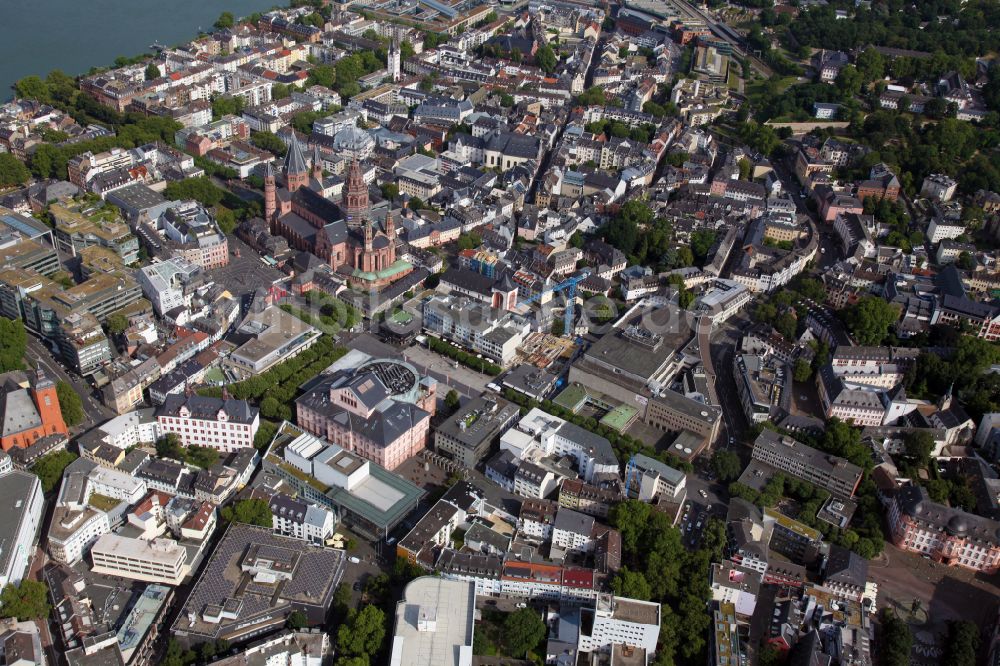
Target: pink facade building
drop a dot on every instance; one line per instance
(223, 424)
(380, 411)
(947, 535)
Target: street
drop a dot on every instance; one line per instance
(93, 411)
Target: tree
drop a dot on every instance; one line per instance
(296, 620)
(746, 168)
(919, 447)
(69, 403)
(726, 465)
(523, 630)
(225, 21)
(169, 446)
(12, 171)
(869, 320)
(849, 81)
(390, 191)
(546, 59)
(896, 640)
(469, 241)
(13, 343)
(962, 644)
(203, 457)
(152, 71)
(117, 323)
(966, 261)
(629, 518)
(270, 142)
(631, 584)
(201, 189)
(576, 240)
(451, 400)
(252, 511)
(49, 468)
(362, 634)
(176, 656)
(226, 219)
(802, 370)
(32, 87)
(226, 105)
(28, 600)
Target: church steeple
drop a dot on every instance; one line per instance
(296, 171)
(355, 196)
(317, 164)
(270, 194)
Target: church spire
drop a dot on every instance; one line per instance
(296, 171)
(317, 164)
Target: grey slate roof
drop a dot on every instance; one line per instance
(18, 410)
(238, 411)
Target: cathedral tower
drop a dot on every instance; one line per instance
(296, 171)
(270, 194)
(355, 203)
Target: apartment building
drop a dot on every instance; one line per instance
(612, 620)
(585, 498)
(823, 470)
(72, 532)
(648, 479)
(299, 520)
(479, 328)
(573, 531)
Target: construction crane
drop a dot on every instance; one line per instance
(569, 287)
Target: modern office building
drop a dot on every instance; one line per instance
(21, 502)
(169, 284)
(468, 435)
(253, 581)
(153, 561)
(434, 624)
(803, 462)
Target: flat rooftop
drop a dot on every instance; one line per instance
(434, 623)
(314, 575)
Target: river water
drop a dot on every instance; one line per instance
(37, 36)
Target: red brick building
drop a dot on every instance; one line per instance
(29, 414)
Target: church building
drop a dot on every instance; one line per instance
(345, 236)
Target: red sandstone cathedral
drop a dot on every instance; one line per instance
(344, 236)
